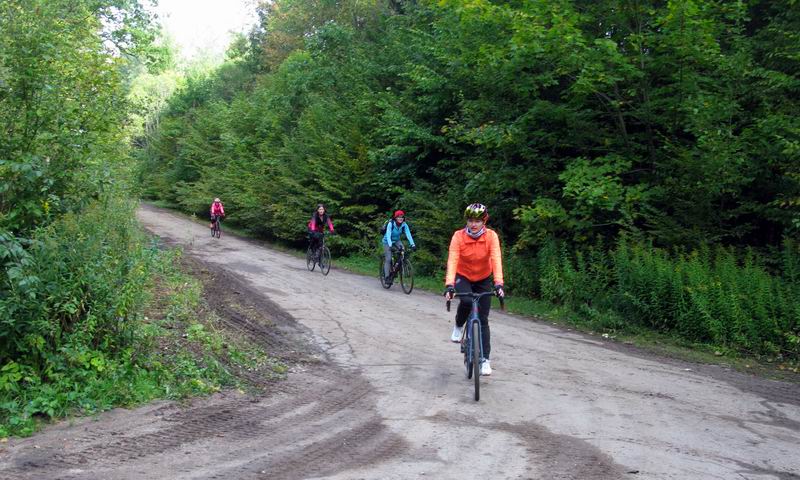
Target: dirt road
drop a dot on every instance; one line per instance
(389, 400)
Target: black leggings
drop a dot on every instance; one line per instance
(465, 307)
(315, 240)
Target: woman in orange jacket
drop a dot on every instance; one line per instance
(473, 260)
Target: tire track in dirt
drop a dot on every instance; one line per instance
(322, 421)
(330, 426)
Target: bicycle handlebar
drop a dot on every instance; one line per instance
(477, 296)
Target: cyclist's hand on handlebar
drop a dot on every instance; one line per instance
(498, 289)
(449, 292)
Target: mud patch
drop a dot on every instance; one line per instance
(561, 456)
(324, 424)
(251, 314)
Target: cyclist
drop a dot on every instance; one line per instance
(217, 211)
(474, 258)
(391, 238)
(316, 226)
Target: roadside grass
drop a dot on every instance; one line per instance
(176, 349)
(589, 321)
(194, 354)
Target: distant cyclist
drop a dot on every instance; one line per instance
(316, 226)
(473, 260)
(217, 211)
(391, 238)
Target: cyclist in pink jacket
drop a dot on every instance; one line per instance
(316, 226)
(217, 211)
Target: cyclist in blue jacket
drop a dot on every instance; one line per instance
(391, 238)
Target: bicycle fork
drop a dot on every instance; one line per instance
(466, 335)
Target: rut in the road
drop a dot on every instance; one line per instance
(321, 422)
(326, 425)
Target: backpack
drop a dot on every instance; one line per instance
(385, 226)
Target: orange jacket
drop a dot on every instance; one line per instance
(474, 259)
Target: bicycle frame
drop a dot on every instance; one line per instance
(398, 254)
(467, 337)
(319, 248)
(474, 316)
(216, 223)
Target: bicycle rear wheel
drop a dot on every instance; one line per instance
(311, 262)
(325, 261)
(407, 276)
(476, 358)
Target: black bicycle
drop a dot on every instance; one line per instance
(216, 228)
(471, 339)
(402, 267)
(321, 256)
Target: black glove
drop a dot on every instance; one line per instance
(498, 289)
(449, 291)
(413, 248)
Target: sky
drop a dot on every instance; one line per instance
(204, 25)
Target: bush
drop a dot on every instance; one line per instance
(69, 305)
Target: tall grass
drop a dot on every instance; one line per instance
(709, 295)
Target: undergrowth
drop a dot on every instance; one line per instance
(94, 316)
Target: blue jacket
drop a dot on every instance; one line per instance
(393, 233)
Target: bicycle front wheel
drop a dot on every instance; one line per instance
(407, 276)
(325, 261)
(311, 262)
(218, 230)
(466, 348)
(476, 358)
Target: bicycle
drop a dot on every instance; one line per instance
(471, 339)
(216, 228)
(321, 256)
(401, 265)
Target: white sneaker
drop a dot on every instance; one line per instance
(486, 368)
(456, 336)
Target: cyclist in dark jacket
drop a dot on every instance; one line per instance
(316, 226)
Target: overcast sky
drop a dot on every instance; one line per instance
(198, 25)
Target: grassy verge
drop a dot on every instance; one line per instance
(193, 354)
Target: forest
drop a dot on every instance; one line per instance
(77, 272)
(640, 159)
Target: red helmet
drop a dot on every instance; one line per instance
(399, 213)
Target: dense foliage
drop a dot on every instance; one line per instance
(672, 125)
(75, 268)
